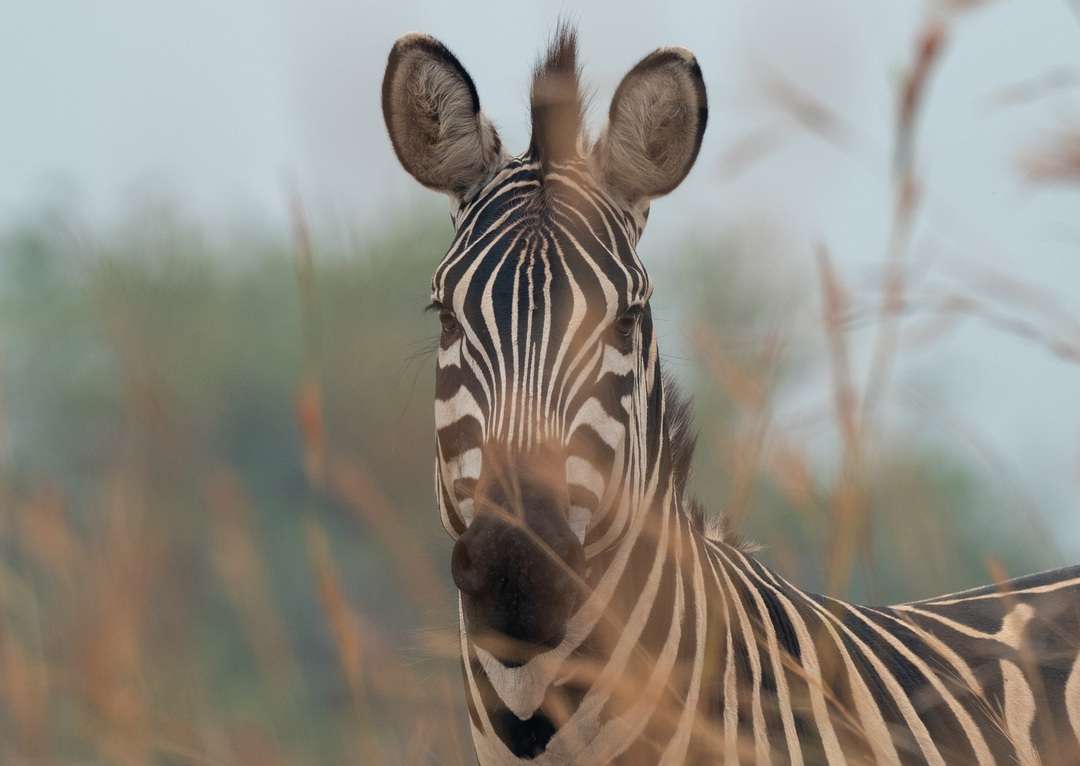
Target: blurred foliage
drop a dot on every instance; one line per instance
(218, 541)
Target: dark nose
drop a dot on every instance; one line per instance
(518, 565)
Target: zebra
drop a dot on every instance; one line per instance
(601, 620)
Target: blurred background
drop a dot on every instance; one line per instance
(218, 542)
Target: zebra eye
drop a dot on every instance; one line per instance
(627, 322)
(450, 325)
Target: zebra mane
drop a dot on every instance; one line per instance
(682, 435)
(556, 102)
(679, 420)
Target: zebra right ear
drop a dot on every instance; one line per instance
(655, 126)
(433, 116)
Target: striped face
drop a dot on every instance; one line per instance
(546, 344)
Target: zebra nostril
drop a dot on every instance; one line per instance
(467, 576)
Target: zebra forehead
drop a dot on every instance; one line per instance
(523, 236)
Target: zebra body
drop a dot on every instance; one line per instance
(600, 621)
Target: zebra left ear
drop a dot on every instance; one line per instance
(433, 116)
(655, 126)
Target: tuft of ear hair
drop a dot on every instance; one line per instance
(655, 126)
(557, 104)
(433, 116)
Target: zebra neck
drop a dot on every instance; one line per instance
(653, 560)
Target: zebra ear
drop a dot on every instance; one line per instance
(655, 126)
(433, 116)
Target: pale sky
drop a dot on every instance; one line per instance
(221, 102)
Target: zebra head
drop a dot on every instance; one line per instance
(549, 406)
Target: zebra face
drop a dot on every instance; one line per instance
(545, 357)
(545, 340)
(548, 400)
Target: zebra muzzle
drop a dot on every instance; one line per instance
(519, 565)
